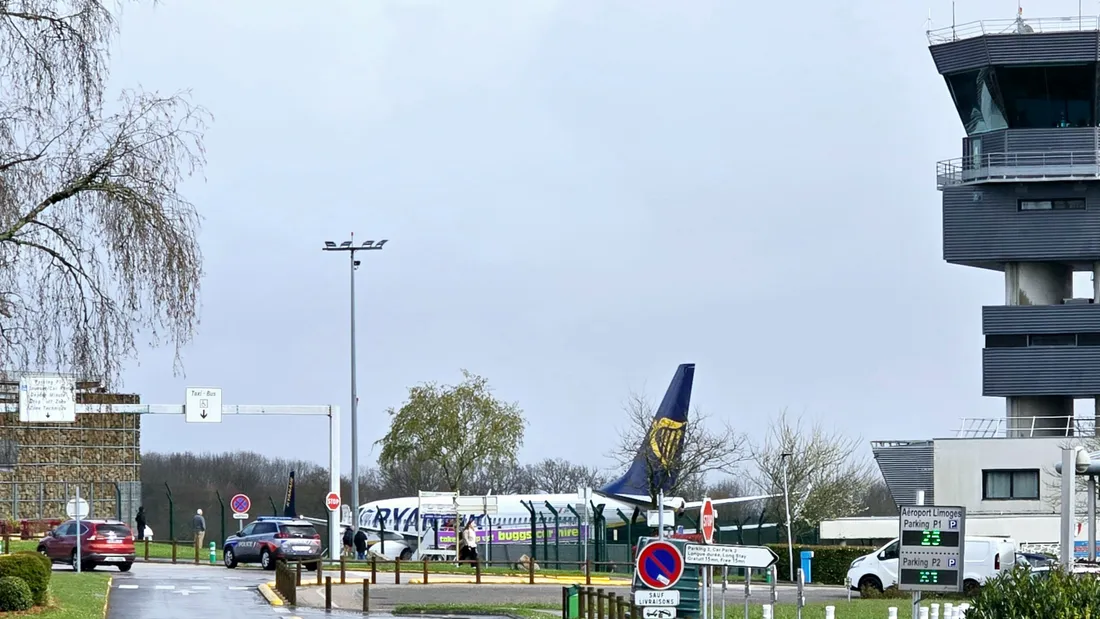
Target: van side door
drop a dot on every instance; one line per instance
(888, 564)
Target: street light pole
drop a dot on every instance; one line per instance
(787, 500)
(351, 248)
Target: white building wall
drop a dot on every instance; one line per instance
(959, 464)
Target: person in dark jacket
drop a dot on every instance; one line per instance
(139, 519)
(349, 542)
(361, 544)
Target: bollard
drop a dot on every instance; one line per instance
(328, 592)
(213, 553)
(425, 570)
(830, 612)
(892, 612)
(766, 611)
(343, 569)
(366, 595)
(373, 570)
(588, 573)
(477, 572)
(195, 544)
(923, 612)
(173, 551)
(947, 612)
(531, 571)
(319, 570)
(397, 571)
(298, 574)
(146, 550)
(935, 611)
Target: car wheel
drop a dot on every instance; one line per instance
(230, 558)
(970, 587)
(265, 560)
(125, 567)
(406, 554)
(870, 582)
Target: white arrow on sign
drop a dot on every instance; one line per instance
(658, 612)
(758, 557)
(650, 597)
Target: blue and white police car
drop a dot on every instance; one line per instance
(270, 538)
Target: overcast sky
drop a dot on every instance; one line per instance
(579, 195)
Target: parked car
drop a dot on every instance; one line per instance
(270, 538)
(102, 542)
(985, 558)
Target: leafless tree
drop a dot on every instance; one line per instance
(555, 475)
(731, 488)
(826, 478)
(706, 449)
(97, 243)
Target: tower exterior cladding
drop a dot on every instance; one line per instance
(1024, 199)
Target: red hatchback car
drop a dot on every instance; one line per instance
(102, 542)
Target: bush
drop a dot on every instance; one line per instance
(15, 594)
(829, 565)
(33, 568)
(1022, 594)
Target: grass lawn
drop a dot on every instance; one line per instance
(74, 596)
(856, 609)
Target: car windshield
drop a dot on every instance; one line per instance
(298, 530)
(119, 530)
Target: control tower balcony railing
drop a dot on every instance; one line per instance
(976, 29)
(1026, 427)
(1018, 166)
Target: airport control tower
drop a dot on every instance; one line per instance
(1024, 199)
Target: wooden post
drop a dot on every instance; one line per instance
(173, 551)
(620, 612)
(477, 571)
(195, 543)
(328, 590)
(425, 571)
(373, 570)
(366, 595)
(298, 573)
(565, 603)
(531, 571)
(320, 569)
(591, 593)
(599, 604)
(582, 606)
(588, 573)
(146, 549)
(343, 569)
(397, 571)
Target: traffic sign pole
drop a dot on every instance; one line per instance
(78, 536)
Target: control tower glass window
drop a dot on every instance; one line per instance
(977, 100)
(1048, 96)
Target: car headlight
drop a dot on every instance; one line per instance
(856, 562)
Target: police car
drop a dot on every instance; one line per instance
(274, 537)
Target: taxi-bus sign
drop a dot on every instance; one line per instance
(659, 565)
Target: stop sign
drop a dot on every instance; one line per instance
(332, 501)
(707, 516)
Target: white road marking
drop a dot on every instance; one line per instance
(200, 587)
(239, 588)
(127, 586)
(165, 587)
(321, 594)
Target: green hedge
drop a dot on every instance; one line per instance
(829, 565)
(1020, 594)
(33, 568)
(15, 595)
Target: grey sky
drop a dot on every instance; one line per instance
(579, 196)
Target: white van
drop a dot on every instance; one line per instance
(985, 558)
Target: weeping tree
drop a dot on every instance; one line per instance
(97, 243)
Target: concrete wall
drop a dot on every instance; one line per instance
(959, 464)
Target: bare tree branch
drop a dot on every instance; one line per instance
(97, 242)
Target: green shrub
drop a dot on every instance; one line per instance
(829, 565)
(31, 567)
(15, 594)
(41, 557)
(1022, 594)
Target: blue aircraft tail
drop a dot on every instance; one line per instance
(657, 464)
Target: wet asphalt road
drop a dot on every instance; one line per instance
(152, 591)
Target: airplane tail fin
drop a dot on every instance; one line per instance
(657, 464)
(290, 510)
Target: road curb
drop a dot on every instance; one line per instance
(107, 597)
(269, 595)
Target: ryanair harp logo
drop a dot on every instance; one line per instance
(664, 440)
(289, 490)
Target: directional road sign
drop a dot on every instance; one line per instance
(240, 503)
(77, 508)
(756, 557)
(648, 597)
(203, 405)
(659, 565)
(47, 399)
(707, 516)
(332, 501)
(931, 548)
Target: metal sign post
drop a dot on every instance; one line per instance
(748, 589)
(773, 574)
(801, 592)
(77, 516)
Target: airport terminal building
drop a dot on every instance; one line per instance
(1023, 200)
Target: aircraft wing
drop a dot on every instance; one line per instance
(410, 534)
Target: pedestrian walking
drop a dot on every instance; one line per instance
(361, 544)
(198, 526)
(139, 520)
(349, 543)
(468, 549)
